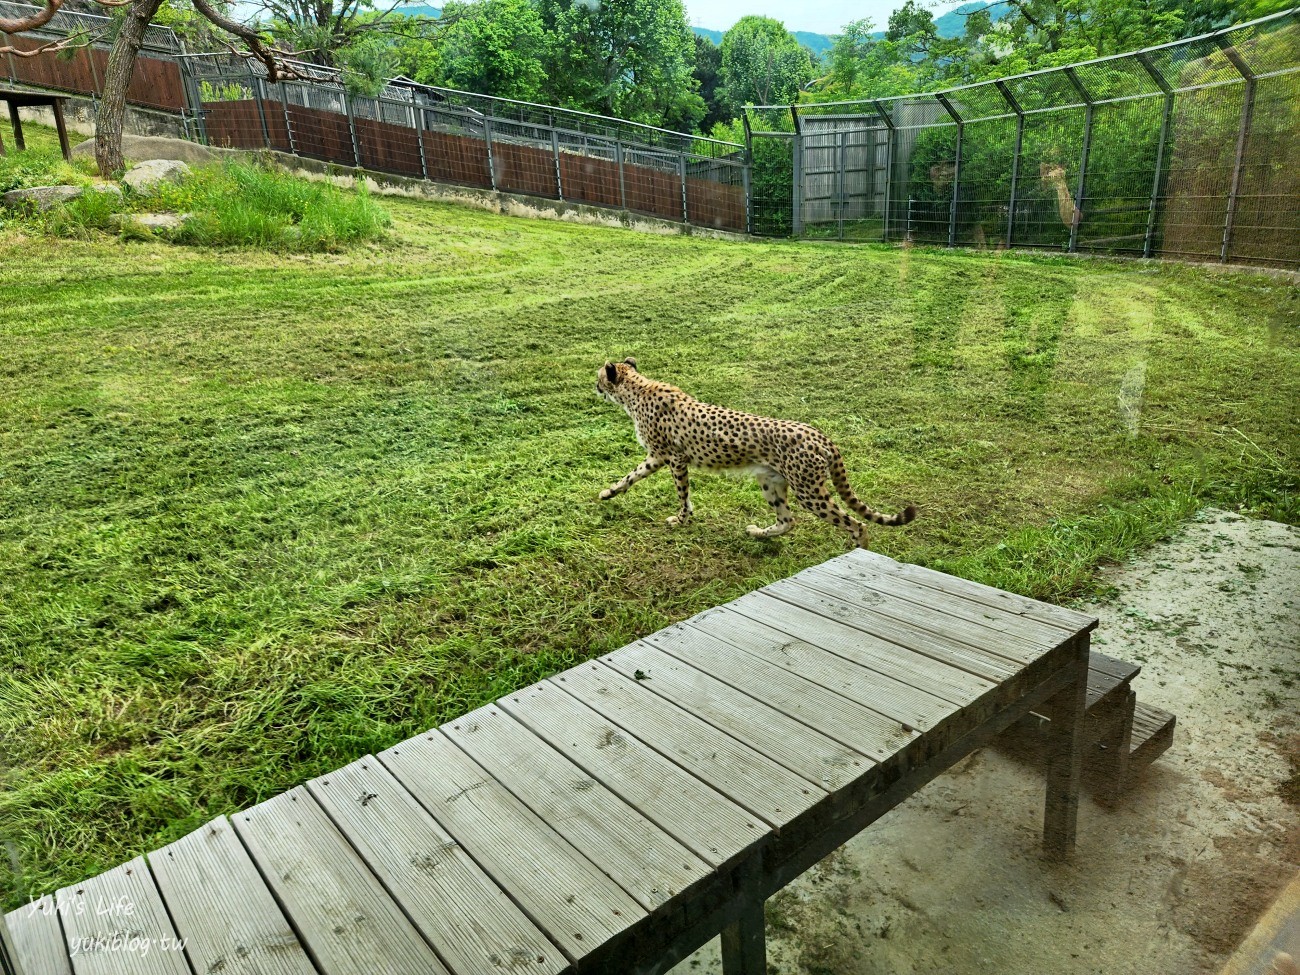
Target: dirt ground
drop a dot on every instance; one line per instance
(1165, 883)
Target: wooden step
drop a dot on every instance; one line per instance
(1153, 733)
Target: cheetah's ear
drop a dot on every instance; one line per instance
(610, 372)
(630, 361)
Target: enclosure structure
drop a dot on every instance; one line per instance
(156, 82)
(453, 136)
(405, 128)
(1184, 150)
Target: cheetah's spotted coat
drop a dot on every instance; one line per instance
(678, 431)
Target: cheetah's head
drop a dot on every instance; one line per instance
(611, 377)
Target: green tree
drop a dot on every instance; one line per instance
(762, 64)
(495, 47)
(708, 76)
(630, 58)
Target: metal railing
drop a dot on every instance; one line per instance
(1185, 149)
(478, 140)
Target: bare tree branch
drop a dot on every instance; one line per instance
(257, 45)
(80, 39)
(43, 16)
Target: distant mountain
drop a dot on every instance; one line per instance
(951, 24)
(419, 10)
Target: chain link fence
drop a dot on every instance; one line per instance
(1187, 150)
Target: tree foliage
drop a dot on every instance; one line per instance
(762, 64)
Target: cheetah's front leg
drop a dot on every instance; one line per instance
(682, 480)
(644, 470)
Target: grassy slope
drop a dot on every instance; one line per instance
(261, 515)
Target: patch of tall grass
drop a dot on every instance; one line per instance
(238, 204)
(232, 205)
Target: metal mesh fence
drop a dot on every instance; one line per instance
(474, 140)
(1186, 150)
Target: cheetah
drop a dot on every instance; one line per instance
(678, 431)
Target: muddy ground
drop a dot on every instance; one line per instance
(1165, 883)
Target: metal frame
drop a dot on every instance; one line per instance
(1243, 134)
(1144, 59)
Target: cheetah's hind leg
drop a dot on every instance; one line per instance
(811, 492)
(774, 490)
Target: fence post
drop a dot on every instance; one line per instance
(1144, 59)
(417, 120)
(839, 183)
(681, 169)
(487, 137)
(956, 168)
(261, 107)
(796, 160)
(555, 152)
(889, 166)
(1243, 136)
(1083, 158)
(1015, 158)
(622, 186)
(288, 129)
(746, 174)
(352, 129)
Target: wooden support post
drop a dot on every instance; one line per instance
(491, 161)
(1065, 758)
(61, 127)
(744, 944)
(417, 122)
(18, 127)
(259, 95)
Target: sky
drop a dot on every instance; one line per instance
(822, 17)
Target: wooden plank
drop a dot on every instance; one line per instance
(1120, 670)
(920, 672)
(222, 907)
(1065, 756)
(634, 852)
(744, 944)
(873, 577)
(749, 779)
(36, 937)
(707, 822)
(1058, 616)
(473, 926)
(1153, 733)
(915, 625)
(780, 737)
(935, 640)
(343, 915)
(116, 923)
(863, 730)
(886, 695)
(561, 891)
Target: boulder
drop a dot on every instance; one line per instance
(143, 177)
(151, 221)
(142, 148)
(41, 197)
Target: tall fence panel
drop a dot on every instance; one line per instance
(1184, 150)
(474, 140)
(156, 82)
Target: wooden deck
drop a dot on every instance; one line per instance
(614, 817)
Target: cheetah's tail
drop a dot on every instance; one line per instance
(840, 478)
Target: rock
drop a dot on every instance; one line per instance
(143, 177)
(151, 221)
(41, 197)
(142, 148)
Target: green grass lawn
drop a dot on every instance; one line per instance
(260, 514)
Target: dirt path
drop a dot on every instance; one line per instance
(1166, 883)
